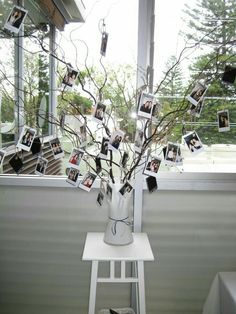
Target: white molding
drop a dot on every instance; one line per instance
(166, 181)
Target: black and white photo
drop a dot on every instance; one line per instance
(103, 48)
(104, 148)
(73, 176)
(126, 189)
(99, 111)
(171, 153)
(138, 140)
(16, 163)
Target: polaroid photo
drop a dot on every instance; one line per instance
(15, 19)
(171, 153)
(115, 140)
(2, 155)
(104, 148)
(83, 135)
(124, 160)
(109, 192)
(193, 142)
(16, 163)
(70, 77)
(99, 112)
(223, 120)
(104, 44)
(152, 166)
(87, 181)
(197, 93)
(196, 111)
(41, 166)
(56, 148)
(229, 74)
(36, 146)
(145, 105)
(138, 141)
(126, 189)
(179, 158)
(155, 111)
(151, 184)
(75, 158)
(100, 198)
(98, 164)
(73, 175)
(26, 138)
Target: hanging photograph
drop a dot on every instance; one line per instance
(56, 148)
(229, 74)
(100, 198)
(115, 140)
(109, 192)
(138, 140)
(152, 166)
(223, 120)
(171, 153)
(36, 146)
(124, 160)
(83, 135)
(151, 184)
(193, 142)
(26, 138)
(87, 181)
(104, 148)
(196, 111)
(197, 93)
(179, 158)
(70, 77)
(73, 176)
(2, 155)
(15, 19)
(41, 166)
(155, 111)
(99, 112)
(16, 163)
(126, 189)
(145, 105)
(103, 48)
(75, 157)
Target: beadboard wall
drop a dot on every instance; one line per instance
(42, 233)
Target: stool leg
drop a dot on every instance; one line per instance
(93, 287)
(141, 288)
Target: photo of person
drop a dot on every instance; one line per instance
(75, 157)
(83, 135)
(155, 111)
(87, 181)
(99, 112)
(197, 93)
(104, 148)
(104, 44)
(179, 158)
(223, 120)
(171, 153)
(124, 160)
(41, 166)
(15, 19)
(145, 105)
(115, 140)
(126, 189)
(26, 138)
(196, 111)
(152, 166)
(193, 142)
(70, 77)
(138, 140)
(2, 155)
(73, 176)
(56, 148)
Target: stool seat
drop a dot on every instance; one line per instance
(96, 250)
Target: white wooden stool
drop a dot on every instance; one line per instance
(96, 250)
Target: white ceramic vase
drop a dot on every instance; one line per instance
(118, 229)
